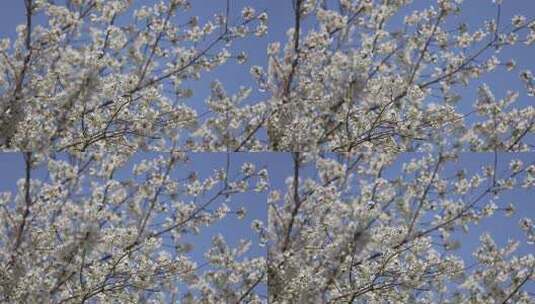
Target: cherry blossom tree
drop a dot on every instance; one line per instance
(87, 84)
(86, 77)
(353, 75)
(98, 229)
(374, 228)
(361, 79)
(357, 228)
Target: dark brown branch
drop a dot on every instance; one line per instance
(295, 62)
(517, 288)
(250, 289)
(297, 201)
(27, 201)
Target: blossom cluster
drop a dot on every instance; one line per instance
(85, 79)
(122, 228)
(389, 228)
(102, 100)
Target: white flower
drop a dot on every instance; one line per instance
(241, 213)
(273, 48)
(257, 225)
(242, 57)
(518, 20)
(248, 169)
(510, 210)
(464, 40)
(510, 64)
(248, 13)
(256, 71)
(526, 224)
(515, 165)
